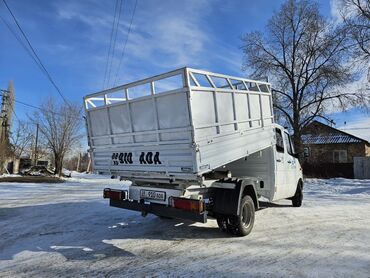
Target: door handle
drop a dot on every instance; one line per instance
(278, 160)
(289, 161)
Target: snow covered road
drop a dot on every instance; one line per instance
(58, 230)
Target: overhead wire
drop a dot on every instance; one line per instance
(110, 44)
(114, 42)
(354, 128)
(124, 45)
(39, 108)
(20, 42)
(13, 110)
(44, 70)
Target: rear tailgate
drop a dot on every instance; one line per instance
(135, 132)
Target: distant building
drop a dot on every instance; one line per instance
(329, 152)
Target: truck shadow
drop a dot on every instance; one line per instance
(91, 230)
(71, 229)
(88, 230)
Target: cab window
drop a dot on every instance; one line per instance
(291, 144)
(279, 141)
(288, 143)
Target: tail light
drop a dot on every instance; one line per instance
(114, 194)
(187, 204)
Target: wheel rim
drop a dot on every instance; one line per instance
(246, 216)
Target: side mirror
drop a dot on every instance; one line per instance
(296, 155)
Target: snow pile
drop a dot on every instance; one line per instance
(338, 188)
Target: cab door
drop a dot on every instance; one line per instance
(285, 165)
(291, 165)
(280, 169)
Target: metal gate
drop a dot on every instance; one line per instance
(361, 167)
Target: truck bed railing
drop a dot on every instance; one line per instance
(173, 82)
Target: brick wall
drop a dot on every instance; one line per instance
(367, 150)
(323, 153)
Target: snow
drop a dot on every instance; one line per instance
(58, 230)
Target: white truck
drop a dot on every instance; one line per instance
(194, 144)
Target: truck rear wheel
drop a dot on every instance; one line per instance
(298, 196)
(224, 224)
(164, 217)
(243, 223)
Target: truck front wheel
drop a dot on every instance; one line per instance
(298, 196)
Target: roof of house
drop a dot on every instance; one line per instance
(329, 139)
(337, 137)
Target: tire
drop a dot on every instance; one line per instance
(243, 223)
(164, 217)
(298, 196)
(224, 224)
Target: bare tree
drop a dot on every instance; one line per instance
(5, 153)
(60, 125)
(21, 139)
(72, 162)
(307, 61)
(356, 17)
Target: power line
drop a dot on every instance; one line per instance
(45, 71)
(354, 128)
(37, 107)
(114, 42)
(110, 44)
(20, 42)
(15, 114)
(124, 46)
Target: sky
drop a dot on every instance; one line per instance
(72, 39)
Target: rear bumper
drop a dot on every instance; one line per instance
(160, 210)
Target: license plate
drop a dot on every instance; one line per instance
(153, 195)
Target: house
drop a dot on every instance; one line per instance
(329, 152)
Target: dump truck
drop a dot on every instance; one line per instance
(194, 145)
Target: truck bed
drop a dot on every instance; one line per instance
(178, 125)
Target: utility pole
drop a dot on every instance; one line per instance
(4, 116)
(36, 141)
(7, 107)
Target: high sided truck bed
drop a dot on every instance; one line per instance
(178, 125)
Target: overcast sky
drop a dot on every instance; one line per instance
(72, 39)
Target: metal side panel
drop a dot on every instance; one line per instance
(223, 150)
(260, 165)
(232, 118)
(164, 159)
